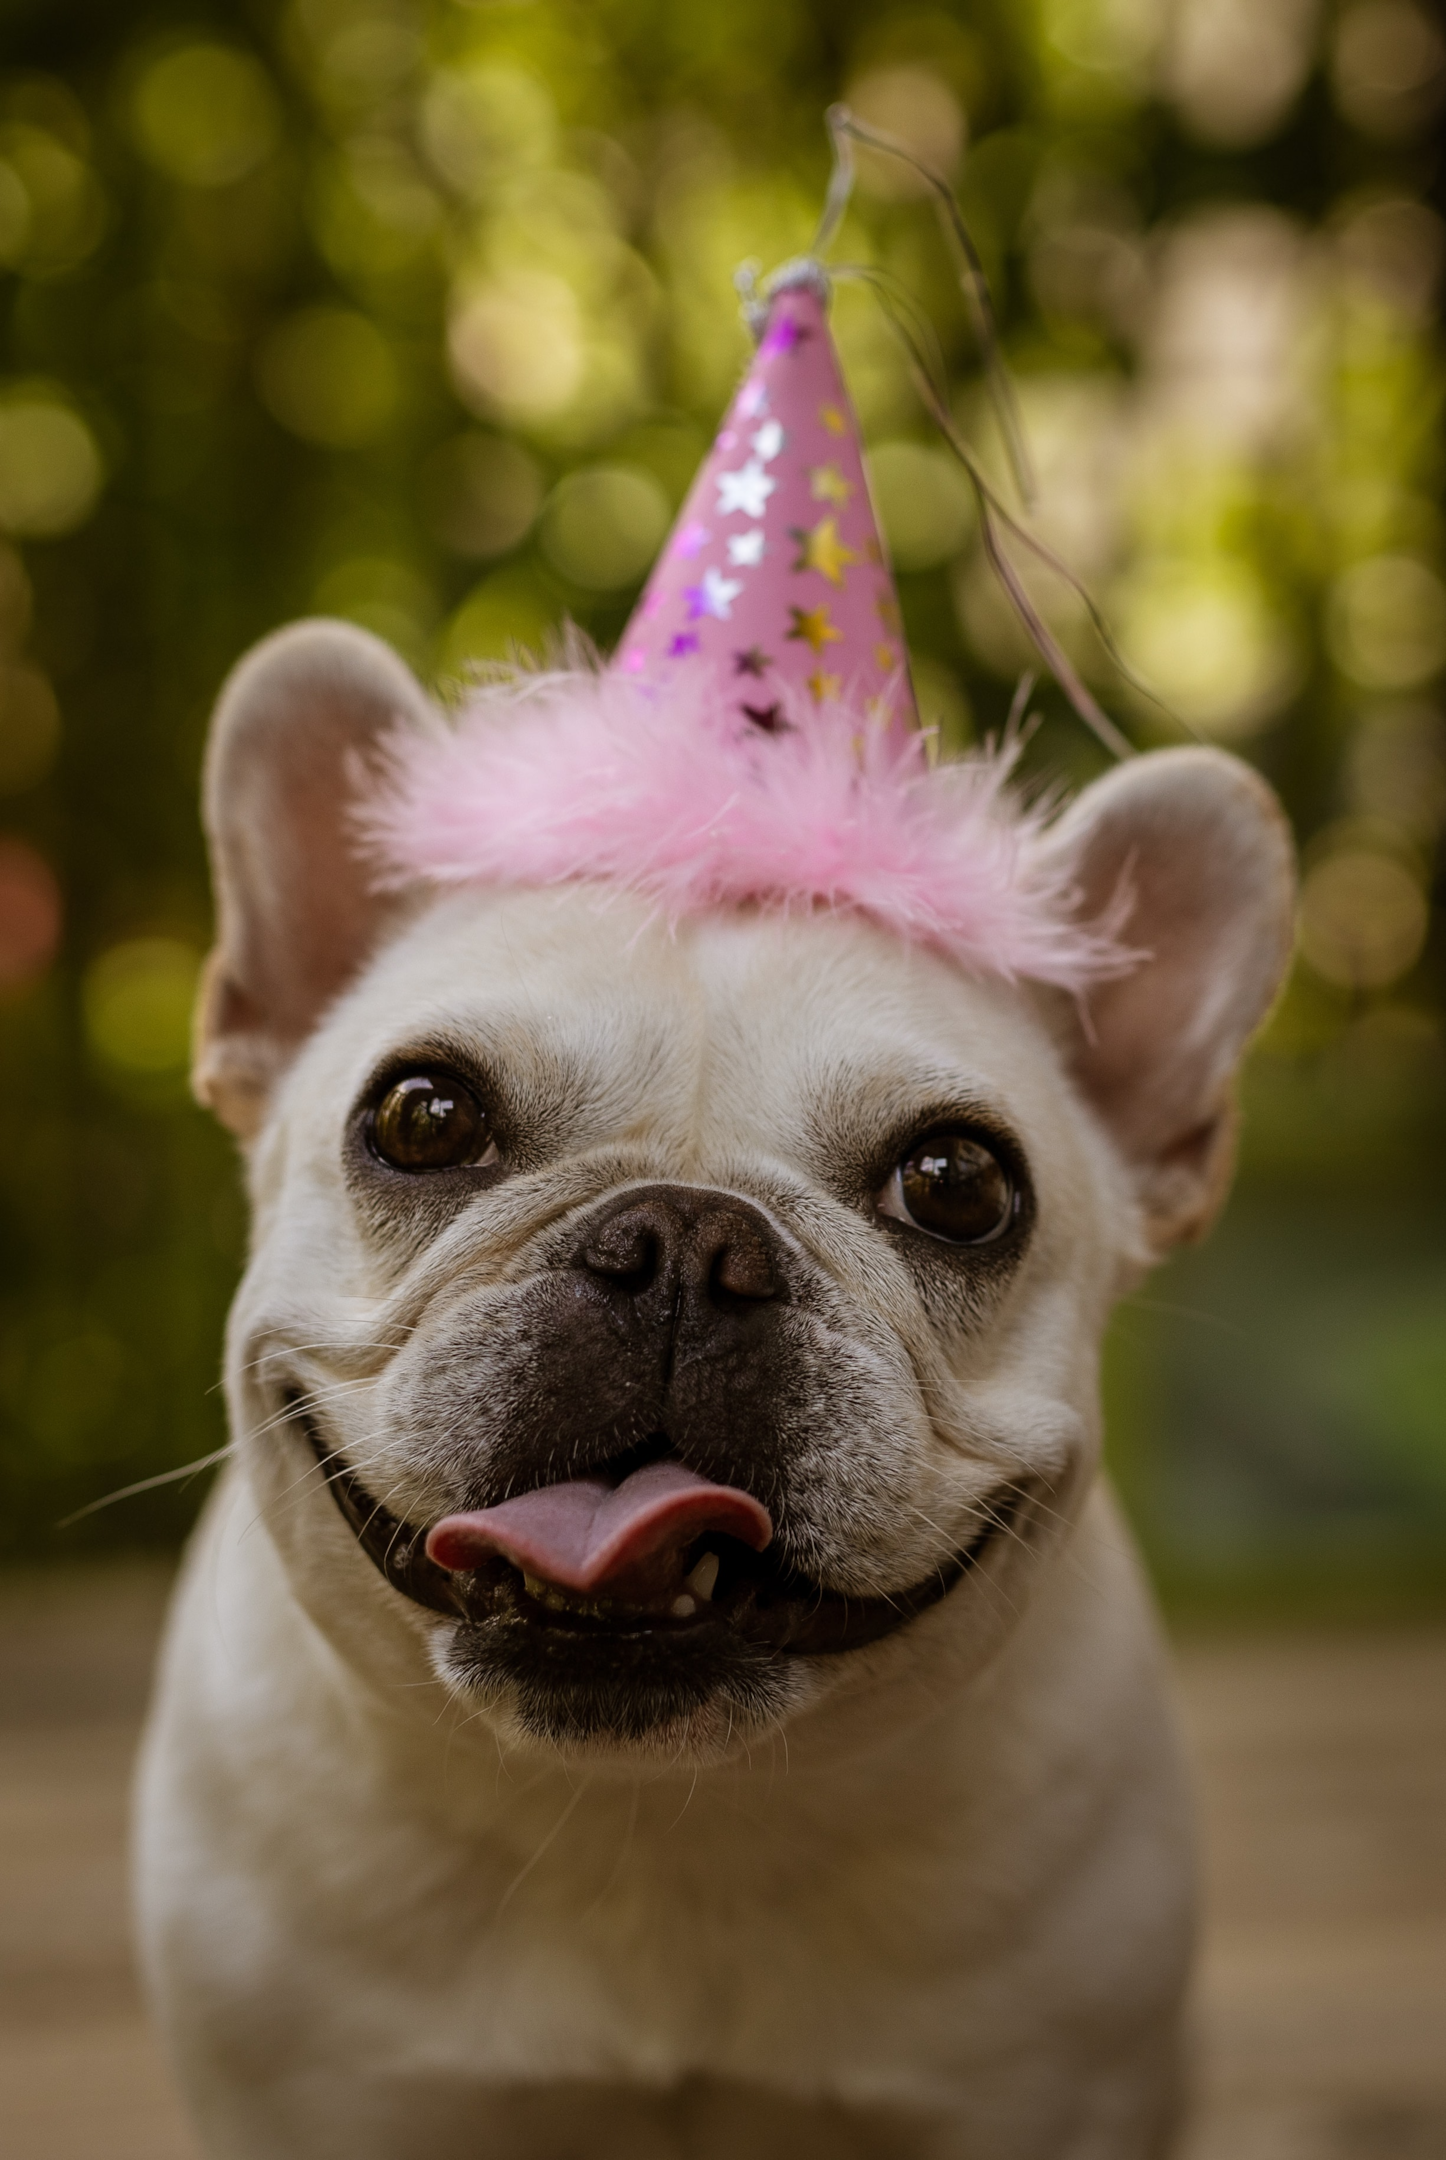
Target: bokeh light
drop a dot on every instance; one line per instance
(50, 467)
(52, 209)
(1396, 768)
(1206, 638)
(516, 345)
(918, 110)
(1388, 67)
(603, 525)
(373, 215)
(1363, 917)
(138, 998)
(30, 913)
(1386, 623)
(1225, 339)
(1395, 248)
(1086, 258)
(508, 615)
(481, 494)
(358, 51)
(1107, 47)
(482, 125)
(328, 375)
(205, 114)
(1234, 67)
(383, 595)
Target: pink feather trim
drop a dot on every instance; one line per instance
(576, 775)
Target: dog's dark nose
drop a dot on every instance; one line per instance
(701, 1245)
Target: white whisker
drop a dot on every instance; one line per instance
(149, 1484)
(547, 1843)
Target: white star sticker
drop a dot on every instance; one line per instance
(747, 490)
(719, 593)
(746, 547)
(768, 441)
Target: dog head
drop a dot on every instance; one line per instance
(665, 1328)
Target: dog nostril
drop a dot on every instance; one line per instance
(626, 1249)
(742, 1268)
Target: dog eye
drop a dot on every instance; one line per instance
(431, 1122)
(954, 1188)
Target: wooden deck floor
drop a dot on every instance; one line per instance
(1322, 2000)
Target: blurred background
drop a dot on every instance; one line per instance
(421, 313)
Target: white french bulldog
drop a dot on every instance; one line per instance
(661, 1674)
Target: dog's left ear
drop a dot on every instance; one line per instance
(1200, 842)
(298, 913)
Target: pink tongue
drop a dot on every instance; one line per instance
(585, 1534)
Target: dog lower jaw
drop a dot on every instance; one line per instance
(618, 1708)
(581, 1674)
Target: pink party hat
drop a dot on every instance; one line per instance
(754, 741)
(775, 575)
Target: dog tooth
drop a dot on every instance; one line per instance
(684, 1607)
(533, 1584)
(704, 1576)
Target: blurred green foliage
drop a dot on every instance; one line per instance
(421, 313)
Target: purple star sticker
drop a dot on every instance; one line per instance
(714, 595)
(686, 641)
(692, 539)
(785, 335)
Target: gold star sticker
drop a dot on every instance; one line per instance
(813, 626)
(829, 485)
(833, 419)
(824, 686)
(888, 608)
(821, 549)
(884, 655)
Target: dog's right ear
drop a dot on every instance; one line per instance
(1200, 847)
(296, 911)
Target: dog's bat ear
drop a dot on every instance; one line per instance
(297, 912)
(1199, 843)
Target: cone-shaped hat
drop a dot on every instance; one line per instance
(775, 574)
(754, 741)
